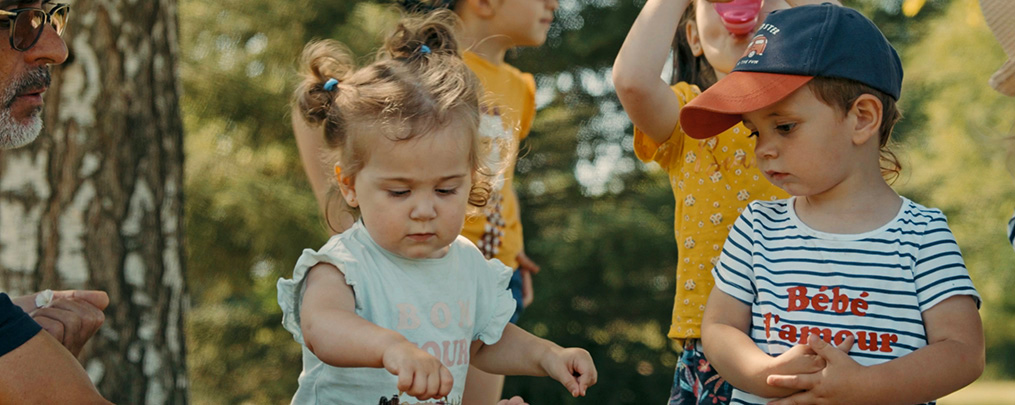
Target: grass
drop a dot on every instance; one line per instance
(983, 393)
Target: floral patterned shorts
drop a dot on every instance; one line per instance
(696, 382)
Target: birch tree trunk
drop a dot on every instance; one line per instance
(96, 202)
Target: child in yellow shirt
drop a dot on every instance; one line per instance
(713, 179)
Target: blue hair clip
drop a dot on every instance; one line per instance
(423, 49)
(330, 84)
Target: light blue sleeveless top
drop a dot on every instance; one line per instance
(442, 305)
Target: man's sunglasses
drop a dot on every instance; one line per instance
(27, 24)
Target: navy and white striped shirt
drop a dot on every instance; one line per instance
(872, 286)
(1011, 231)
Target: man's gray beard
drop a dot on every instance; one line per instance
(14, 134)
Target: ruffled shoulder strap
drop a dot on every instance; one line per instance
(336, 252)
(498, 305)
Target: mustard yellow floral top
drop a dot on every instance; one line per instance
(713, 180)
(508, 107)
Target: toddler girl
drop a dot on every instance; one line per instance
(399, 302)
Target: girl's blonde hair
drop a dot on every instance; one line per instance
(418, 84)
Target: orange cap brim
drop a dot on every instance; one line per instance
(720, 107)
(1003, 79)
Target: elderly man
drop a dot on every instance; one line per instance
(37, 368)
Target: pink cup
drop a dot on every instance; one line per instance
(739, 16)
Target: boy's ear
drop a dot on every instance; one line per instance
(866, 113)
(346, 185)
(481, 8)
(693, 40)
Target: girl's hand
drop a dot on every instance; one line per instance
(835, 384)
(528, 268)
(573, 367)
(526, 264)
(419, 373)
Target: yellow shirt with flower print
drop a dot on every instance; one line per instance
(508, 107)
(713, 180)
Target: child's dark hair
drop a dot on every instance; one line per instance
(418, 84)
(841, 93)
(689, 68)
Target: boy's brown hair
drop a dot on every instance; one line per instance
(842, 93)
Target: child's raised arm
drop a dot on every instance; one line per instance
(736, 357)
(310, 142)
(953, 358)
(339, 337)
(646, 98)
(520, 353)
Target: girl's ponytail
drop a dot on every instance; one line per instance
(423, 38)
(315, 98)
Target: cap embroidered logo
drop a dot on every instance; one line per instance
(756, 48)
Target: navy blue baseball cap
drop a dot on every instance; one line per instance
(790, 48)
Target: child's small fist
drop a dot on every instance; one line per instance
(420, 374)
(574, 368)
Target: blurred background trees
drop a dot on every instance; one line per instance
(596, 219)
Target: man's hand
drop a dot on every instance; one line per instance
(72, 317)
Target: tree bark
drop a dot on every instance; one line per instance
(97, 201)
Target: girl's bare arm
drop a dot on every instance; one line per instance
(520, 353)
(310, 142)
(331, 328)
(646, 98)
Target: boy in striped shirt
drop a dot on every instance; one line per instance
(846, 261)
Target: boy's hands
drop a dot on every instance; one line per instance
(799, 359)
(833, 384)
(419, 373)
(573, 367)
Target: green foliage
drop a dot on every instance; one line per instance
(958, 145)
(249, 208)
(239, 353)
(597, 220)
(608, 262)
